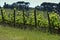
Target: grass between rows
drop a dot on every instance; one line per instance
(11, 33)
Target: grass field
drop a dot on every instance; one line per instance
(10, 33)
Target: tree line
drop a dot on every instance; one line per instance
(49, 7)
(43, 7)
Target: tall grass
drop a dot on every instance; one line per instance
(11, 33)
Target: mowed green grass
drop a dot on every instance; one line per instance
(10, 33)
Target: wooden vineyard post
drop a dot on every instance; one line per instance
(14, 15)
(35, 18)
(2, 15)
(48, 21)
(23, 18)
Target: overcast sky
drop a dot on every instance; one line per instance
(33, 3)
